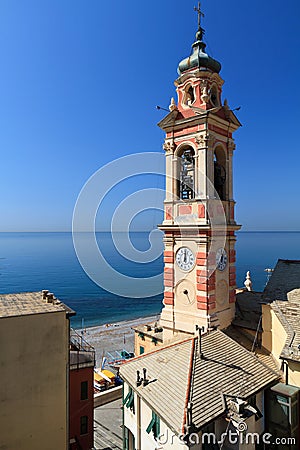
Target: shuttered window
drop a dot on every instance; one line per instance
(129, 400)
(154, 425)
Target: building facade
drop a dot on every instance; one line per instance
(81, 417)
(34, 361)
(199, 225)
(191, 392)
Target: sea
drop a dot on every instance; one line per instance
(37, 261)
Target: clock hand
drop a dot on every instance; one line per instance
(186, 292)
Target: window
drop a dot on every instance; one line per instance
(83, 424)
(220, 173)
(142, 349)
(129, 440)
(154, 340)
(84, 395)
(214, 96)
(154, 426)
(189, 96)
(129, 400)
(187, 169)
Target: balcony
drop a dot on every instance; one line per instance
(82, 354)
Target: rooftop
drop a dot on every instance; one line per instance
(284, 283)
(248, 310)
(26, 303)
(82, 354)
(81, 359)
(283, 294)
(177, 375)
(247, 340)
(289, 315)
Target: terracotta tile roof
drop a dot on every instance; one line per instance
(178, 375)
(25, 303)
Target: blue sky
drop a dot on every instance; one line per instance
(80, 80)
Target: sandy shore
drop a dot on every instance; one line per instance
(116, 336)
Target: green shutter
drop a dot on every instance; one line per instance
(154, 425)
(127, 397)
(157, 427)
(151, 424)
(129, 400)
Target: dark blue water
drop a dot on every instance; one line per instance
(36, 261)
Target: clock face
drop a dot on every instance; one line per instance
(185, 294)
(185, 259)
(221, 259)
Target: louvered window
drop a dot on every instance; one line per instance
(129, 400)
(154, 425)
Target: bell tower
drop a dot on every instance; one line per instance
(199, 225)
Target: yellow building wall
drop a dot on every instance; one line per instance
(34, 387)
(274, 338)
(274, 335)
(146, 343)
(294, 373)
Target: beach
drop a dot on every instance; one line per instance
(113, 336)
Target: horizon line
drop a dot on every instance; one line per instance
(135, 231)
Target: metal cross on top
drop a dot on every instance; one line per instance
(200, 14)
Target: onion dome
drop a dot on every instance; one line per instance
(199, 59)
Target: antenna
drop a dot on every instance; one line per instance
(269, 274)
(200, 331)
(160, 107)
(189, 414)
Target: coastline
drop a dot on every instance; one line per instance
(113, 336)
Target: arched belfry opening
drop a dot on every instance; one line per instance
(186, 173)
(189, 95)
(220, 172)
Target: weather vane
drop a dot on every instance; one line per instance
(200, 14)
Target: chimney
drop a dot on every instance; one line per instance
(139, 380)
(45, 292)
(145, 381)
(50, 297)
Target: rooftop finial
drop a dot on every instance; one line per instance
(200, 14)
(200, 31)
(248, 282)
(199, 58)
